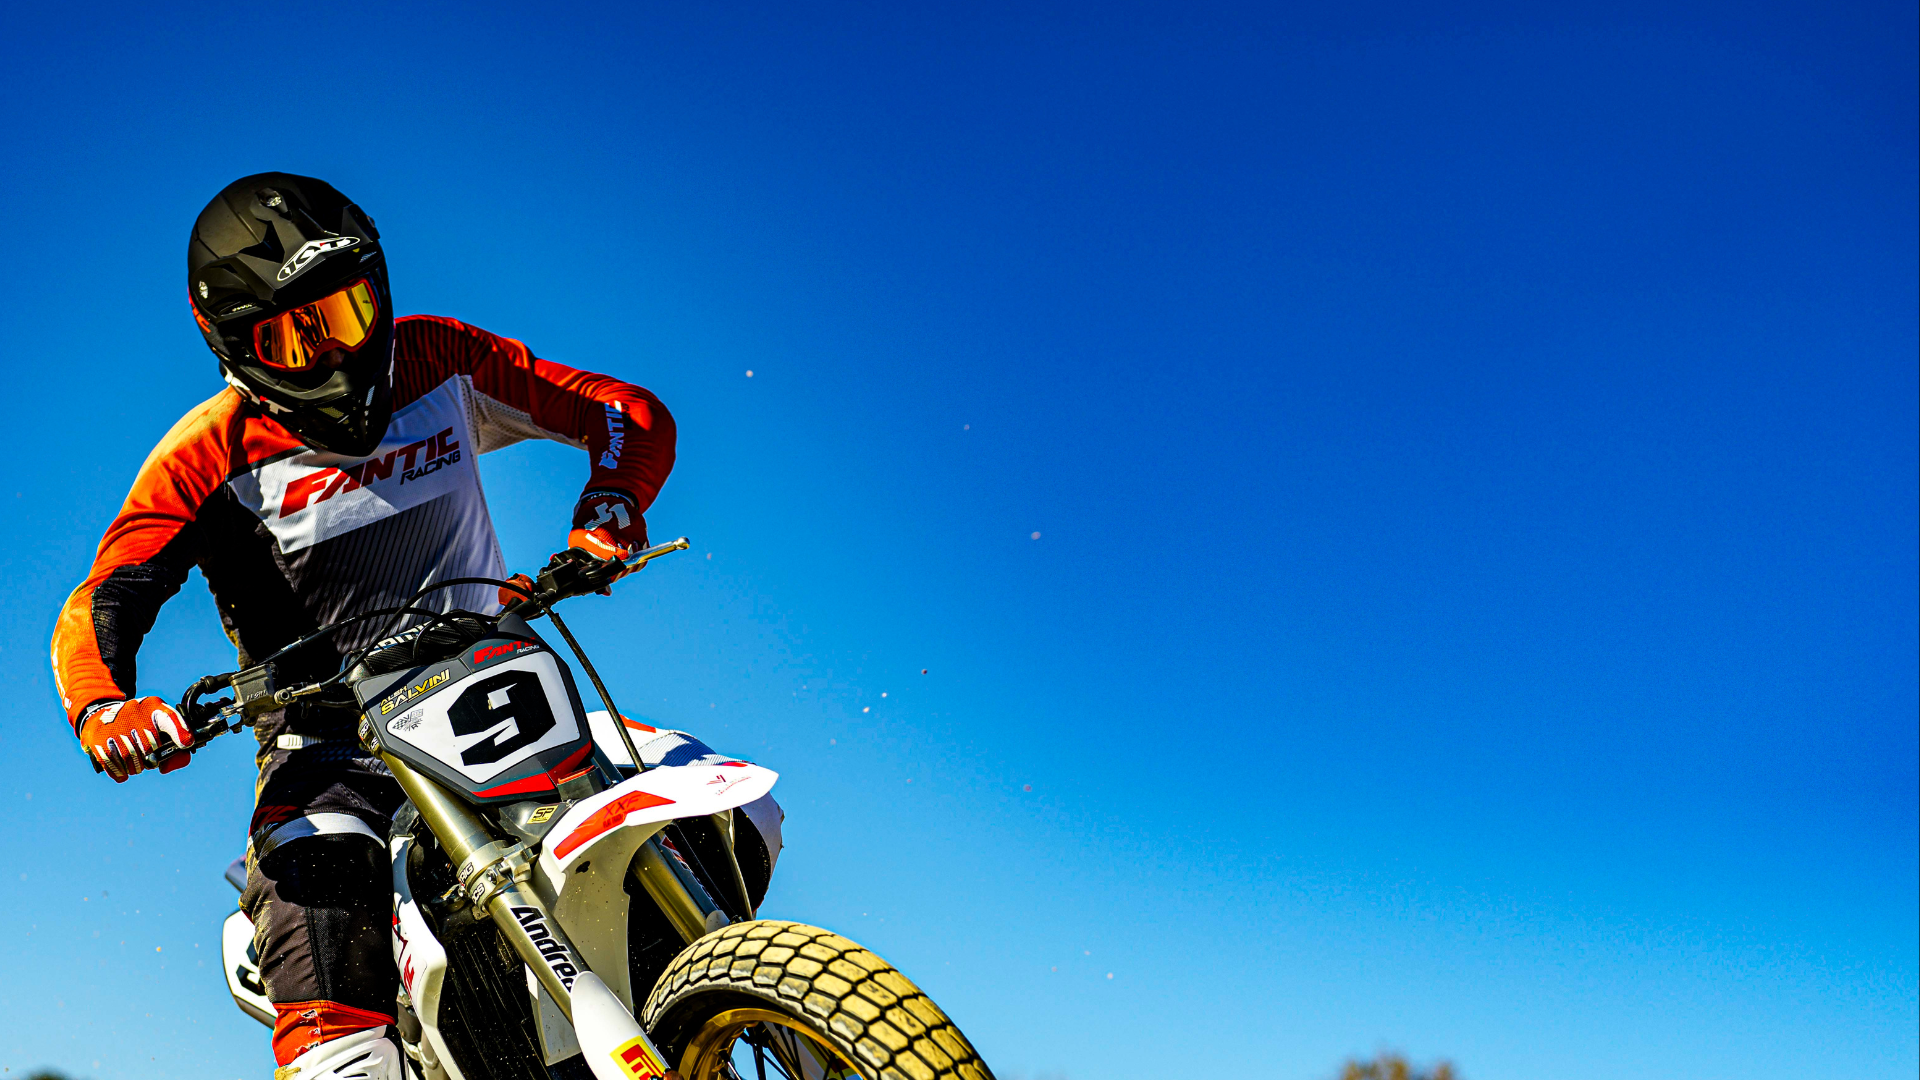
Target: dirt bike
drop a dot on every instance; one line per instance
(563, 907)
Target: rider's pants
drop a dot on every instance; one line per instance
(318, 887)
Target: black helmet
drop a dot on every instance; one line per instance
(281, 270)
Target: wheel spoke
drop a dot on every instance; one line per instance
(778, 1041)
(792, 1045)
(795, 1055)
(786, 1046)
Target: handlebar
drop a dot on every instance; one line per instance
(571, 573)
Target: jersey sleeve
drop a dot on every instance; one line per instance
(142, 560)
(627, 433)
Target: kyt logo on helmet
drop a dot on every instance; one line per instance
(310, 250)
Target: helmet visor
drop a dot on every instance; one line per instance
(292, 339)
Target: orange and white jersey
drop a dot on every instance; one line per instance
(290, 538)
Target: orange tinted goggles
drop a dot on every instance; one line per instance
(339, 320)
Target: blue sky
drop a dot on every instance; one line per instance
(1471, 450)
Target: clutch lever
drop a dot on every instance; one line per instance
(254, 693)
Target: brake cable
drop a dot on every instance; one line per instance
(619, 721)
(547, 607)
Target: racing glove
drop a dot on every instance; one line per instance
(115, 735)
(607, 525)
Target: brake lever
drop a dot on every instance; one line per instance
(576, 572)
(639, 559)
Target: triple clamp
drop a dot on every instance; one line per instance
(492, 868)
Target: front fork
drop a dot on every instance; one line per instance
(493, 874)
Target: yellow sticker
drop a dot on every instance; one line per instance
(636, 1057)
(408, 693)
(540, 815)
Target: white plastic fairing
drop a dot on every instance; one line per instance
(666, 746)
(607, 738)
(494, 719)
(421, 958)
(657, 795)
(583, 864)
(243, 969)
(657, 745)
(612, 1041)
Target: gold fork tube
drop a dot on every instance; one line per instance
(521, 917)
(461, 831)
(657, 875)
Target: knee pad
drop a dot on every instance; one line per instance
(331, 870)
(322, 909)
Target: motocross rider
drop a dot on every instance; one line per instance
(334, 474)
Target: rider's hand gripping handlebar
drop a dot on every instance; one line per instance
(575, 572)
(254, 693)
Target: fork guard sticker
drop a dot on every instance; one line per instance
(636, 1059)
(554, 953)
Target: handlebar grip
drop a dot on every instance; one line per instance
(216, 726)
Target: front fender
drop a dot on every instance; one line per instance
(582, 869)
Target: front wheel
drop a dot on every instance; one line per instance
(799, 1002)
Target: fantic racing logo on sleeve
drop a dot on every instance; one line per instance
(432, 454)
(616, 435)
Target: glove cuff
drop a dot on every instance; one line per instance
(605, 492)
(87, 713)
